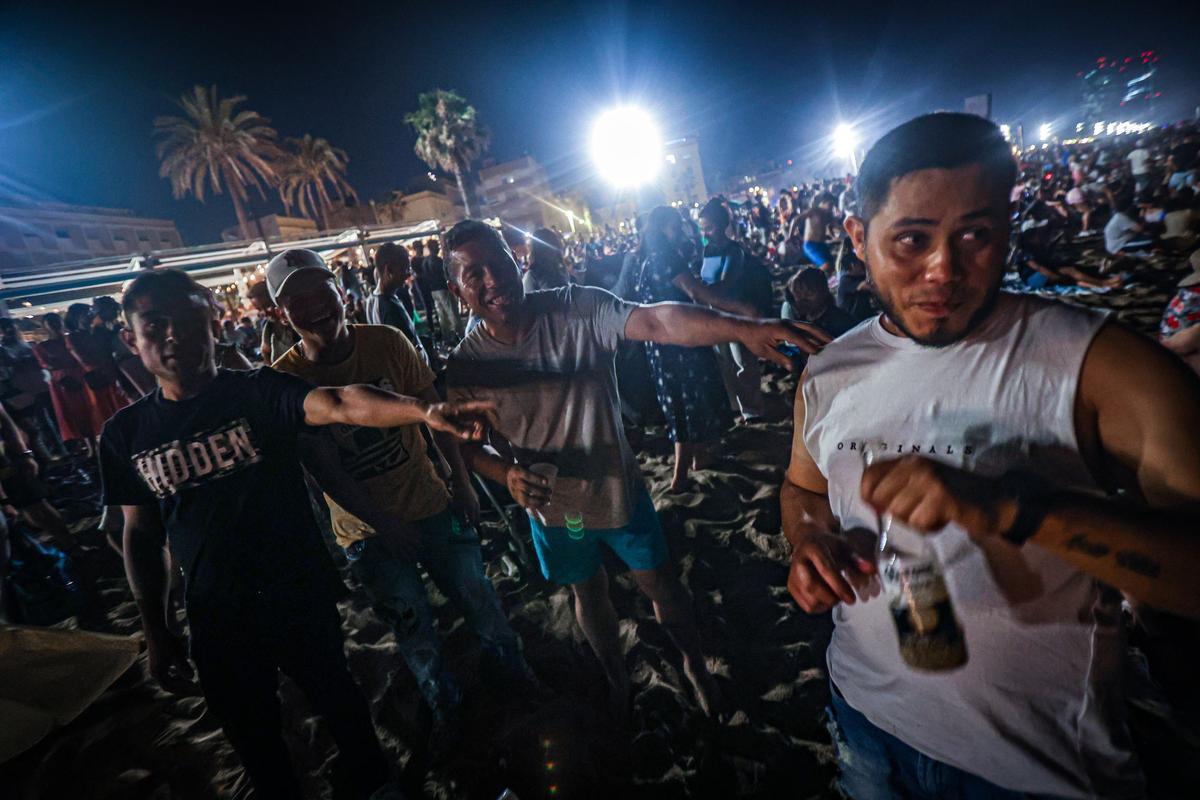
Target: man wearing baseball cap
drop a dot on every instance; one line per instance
(210, 462)
(398, 513)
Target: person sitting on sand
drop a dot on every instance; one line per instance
(395, 479)
(808, 299)
(210, 461)
(1039, 266)
(546, 359)
(989, 414)
(1125, 233)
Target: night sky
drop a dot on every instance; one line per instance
(81, 84)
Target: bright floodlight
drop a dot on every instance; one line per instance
(1045, 131)
(626, 147)
(845, 141)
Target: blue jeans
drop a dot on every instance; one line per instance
(874, 765)
(450, 554)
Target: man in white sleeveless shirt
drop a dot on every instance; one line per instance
(1002, 425)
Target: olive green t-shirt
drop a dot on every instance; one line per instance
(391, 464)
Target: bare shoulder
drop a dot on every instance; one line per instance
(1138, 411)
(1123, 369)
(802, 469)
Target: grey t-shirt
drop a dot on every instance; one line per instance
(556, 391)
(1120, 231)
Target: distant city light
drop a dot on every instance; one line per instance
(1045, 131)
(626, 147)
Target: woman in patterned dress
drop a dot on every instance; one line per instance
(687, 379)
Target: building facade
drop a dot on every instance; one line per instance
(274, 228)
(518, 192)
(418, 206)
(36, 236)
(682, 177)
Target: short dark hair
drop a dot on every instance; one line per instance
(165, 281)
(812, 278)
(472, 230)
(77, 315)
(390, 253)
(475, 230)
(716, 212)
(944, 140)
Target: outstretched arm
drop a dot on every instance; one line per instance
(372, 407)
(690, 325)
(702, 293)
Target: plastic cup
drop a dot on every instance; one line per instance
(546, 470)
(550, 473)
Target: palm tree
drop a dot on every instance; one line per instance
(449, 136)
(305, 170)
(216, 145)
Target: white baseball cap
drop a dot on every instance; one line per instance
(288, 263)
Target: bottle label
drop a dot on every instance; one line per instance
(929, 633)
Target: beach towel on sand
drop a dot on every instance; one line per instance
(49, 676)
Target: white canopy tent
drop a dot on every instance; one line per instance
(32, 294)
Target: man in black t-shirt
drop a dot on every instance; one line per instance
(724, 268)
(391, 303)
(445, 307)
(209, 461)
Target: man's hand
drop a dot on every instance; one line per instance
(529, 489)
(763, 337)
(27, 465)
(927, 496)
(465, 501)
(467, 420)
(826, 569)
(169, 665)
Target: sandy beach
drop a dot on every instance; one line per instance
(138, 742)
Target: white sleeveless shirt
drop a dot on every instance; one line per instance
(1037, 707)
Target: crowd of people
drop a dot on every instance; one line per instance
(1046, 453)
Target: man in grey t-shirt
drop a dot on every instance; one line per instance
(546, 358)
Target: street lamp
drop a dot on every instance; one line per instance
(626, 147)
(845, 144)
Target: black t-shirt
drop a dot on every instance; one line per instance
(432, 274)
(224, 470)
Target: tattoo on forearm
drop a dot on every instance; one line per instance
(1080, 543)
(1138, 562)
(1131, 560)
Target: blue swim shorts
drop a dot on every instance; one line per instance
(818, 253)
(641, 544)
